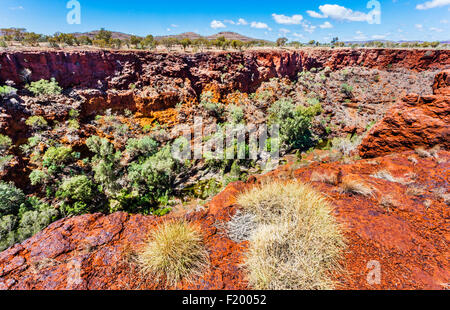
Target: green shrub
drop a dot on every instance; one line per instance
(6, 91)
(37, 217)
(4, 161)
(214, 108)
(7, 233)
(78, 188)
(57, 156)
(106, 165)
(236, 113)
(155, 175)
(5, 143)
(145, 146)
(36, 122)
(73, 124)
(45, 87)
(32, 216)
(346, 89)
(294, 122)
(11, 198)
(3, 44)
(38, 177)
(74, 114)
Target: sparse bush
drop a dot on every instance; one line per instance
(5, 143)
(7, 91)
(77, 193)
(7, 233)
(297, 241)
(36, 122)
(174, 252)
(215, 108)
(38, 177)
(31, 217)
(236, 113)
(77, 188)
(294, 122)
(45, 87)
(145, 146)
(11, 198)
(38, 217)
(4, 161)
(73, 124)
(346, 145)
(347, 89)
(106, 165)
(155, 175)
(57, 156)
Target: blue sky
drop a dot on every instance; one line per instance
(297, 20)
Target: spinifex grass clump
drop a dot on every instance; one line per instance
(175, 251)
(297, 243)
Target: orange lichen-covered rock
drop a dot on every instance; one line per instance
(413, 122)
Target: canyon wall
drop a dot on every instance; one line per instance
(242, 71)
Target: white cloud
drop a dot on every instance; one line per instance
(326, 25)
(308, 28)
(432, 4)
(444, 21)
(298, 35)
(228, 21)
(284, 30)
(315, 14)
(340, 13)
(378, 37)
(287, 20)
(360, 36)
(260, 25)
(16, 8)
(436, 29)
(419, 26)
(242, 21)
(174, 26)
(217, 24)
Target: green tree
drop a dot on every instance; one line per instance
(281, 42)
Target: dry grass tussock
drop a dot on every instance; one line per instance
(174, 252)
(357, 187)
(329, 178)
(297, 243)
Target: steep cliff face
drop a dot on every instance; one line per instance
(110, 69)
(415, 121)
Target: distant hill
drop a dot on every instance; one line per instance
(387, 41)
(189, 35)
(92, 34)
(231, 36)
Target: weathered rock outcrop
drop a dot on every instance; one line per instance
(402, 226)
(413, 122)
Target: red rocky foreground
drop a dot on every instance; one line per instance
(402, 225)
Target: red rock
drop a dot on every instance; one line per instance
(118, 69)
(413, 122)
(407, 237)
